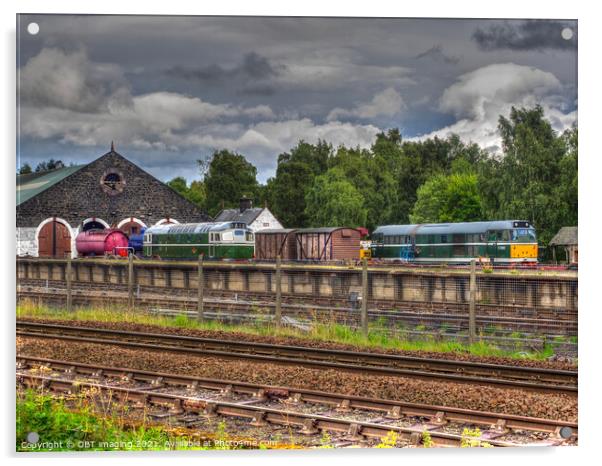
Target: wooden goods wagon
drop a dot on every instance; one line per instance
(330, 243)
(275, 242)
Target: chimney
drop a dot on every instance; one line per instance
(245, 203)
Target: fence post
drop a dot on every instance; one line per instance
(364, 314)
(278, 315)
(69, 285)
(472, 327)
(130, 281)
(201, 285)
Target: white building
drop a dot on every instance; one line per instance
(256, 218)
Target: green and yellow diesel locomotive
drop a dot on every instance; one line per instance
(499, 242)
(221, 240)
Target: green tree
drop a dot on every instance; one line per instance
(294, 176)
(51, 164)
(179, 185)
(24, 169)
(333, 201)
(228, 177)
(536, 178)
(369, 176)
(448, 198)
(195, 193)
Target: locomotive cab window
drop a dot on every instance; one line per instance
(524, 234)
(503, 235)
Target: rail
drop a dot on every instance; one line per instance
(439, 421)
(529, 378)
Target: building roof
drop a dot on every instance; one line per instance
(32, 184)
(566, 236)
(447, 228)
(248, 216)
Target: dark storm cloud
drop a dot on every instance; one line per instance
(436, 53)
(253, 67)
(527, 35)
(264, 90)
(168, 88)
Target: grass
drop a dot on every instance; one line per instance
(77, 426)
(331, 331)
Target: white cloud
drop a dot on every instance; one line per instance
(478, 98)
(386, 103)
(54, 78)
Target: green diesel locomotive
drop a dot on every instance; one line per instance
(505, 241)
(222, 240)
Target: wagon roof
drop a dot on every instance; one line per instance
(322, 229)
(275, 231)
(446, 228)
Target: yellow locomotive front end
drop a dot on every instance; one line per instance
(365, 250)
(523, 251)
(524, 242)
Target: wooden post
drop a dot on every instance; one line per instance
(69, 286)
(200, 288)
(130, 281)
(278, 315)
(472, 327)
(364, 315)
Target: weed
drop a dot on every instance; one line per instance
(471, 439)
(427, 441)
(326, 440)
(389, 440)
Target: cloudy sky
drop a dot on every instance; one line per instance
(169, 90)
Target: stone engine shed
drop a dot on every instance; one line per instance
(54, 206)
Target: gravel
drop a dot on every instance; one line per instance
(462, 395)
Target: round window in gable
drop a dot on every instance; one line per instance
(112, 182)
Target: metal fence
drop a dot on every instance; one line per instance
(394, 300)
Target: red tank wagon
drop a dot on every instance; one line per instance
(102, 242)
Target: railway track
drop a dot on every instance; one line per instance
(530, 378)
(513, 311)
(190, 401)
(453, 321)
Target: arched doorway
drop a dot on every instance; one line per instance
(131, 226)
(54, 238)
(94, 224)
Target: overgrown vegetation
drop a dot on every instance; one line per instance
(76, 428)
(320, 331)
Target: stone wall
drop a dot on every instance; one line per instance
(496, 293)
(81, 196)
